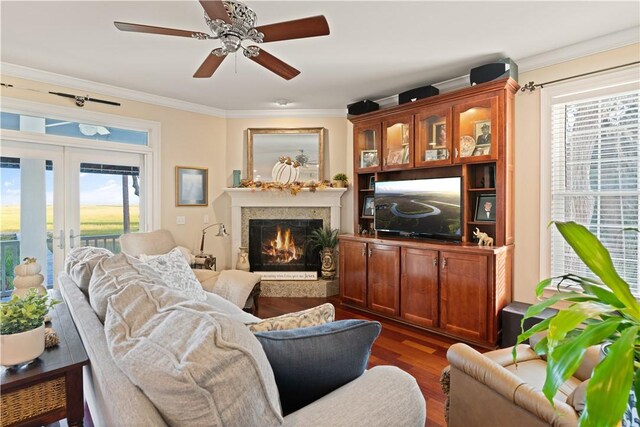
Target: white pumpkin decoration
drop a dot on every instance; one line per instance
(285, 171)
(28, 268)
(28, 277)
(26, 282)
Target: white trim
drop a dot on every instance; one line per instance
(105, 89)
(556, 56)
(256, 114)
(152, 169)
(580, 49)
(568, 91)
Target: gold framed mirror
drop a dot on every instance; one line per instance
(265, 147)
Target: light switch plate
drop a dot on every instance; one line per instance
(205, 219)
(181, 220)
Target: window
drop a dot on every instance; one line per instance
(594, 170)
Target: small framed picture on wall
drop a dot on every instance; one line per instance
(191, 186)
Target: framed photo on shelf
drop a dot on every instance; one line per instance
(372, 182)
(394, 157)
(368, 158)
(482, 132)
(368, 207)
(191, 186)
(439, 134)
(486, 208)
(482, 150)
(431, 155)
(443, 153)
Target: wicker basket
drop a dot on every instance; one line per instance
(20, 405)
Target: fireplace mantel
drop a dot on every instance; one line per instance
(251, 197)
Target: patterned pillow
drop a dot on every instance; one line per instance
(112, 274)
(197, 367)
(301, 319)
(80, 263)
(176, 273)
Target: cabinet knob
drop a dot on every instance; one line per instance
(455, 152)
(444, 262)
(364, 252)
(435, 261)
(370, 252)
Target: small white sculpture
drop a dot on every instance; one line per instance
(483, 238)
(27, 277)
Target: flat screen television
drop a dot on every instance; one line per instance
(429, 208)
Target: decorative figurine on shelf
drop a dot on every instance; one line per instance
(483, 238)
(28, 276)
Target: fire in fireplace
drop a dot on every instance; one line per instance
(279, 245)
(282, 249)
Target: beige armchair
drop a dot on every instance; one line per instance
(490, 390)
(160, 242)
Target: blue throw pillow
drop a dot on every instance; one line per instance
(309, 363)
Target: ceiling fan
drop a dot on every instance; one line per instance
(232, 22)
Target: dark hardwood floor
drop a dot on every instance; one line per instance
(419, 353)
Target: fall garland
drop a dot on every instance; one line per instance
(293, 187)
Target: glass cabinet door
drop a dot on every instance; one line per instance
(397, 142)
(476, 134)
(433, 138)
(367, 144)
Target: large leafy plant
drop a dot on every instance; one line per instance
(599, 311)
(26, 313)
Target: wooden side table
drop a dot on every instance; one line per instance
(49, 388)
(205, 261)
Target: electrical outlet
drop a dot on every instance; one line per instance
(205, 219)
(181, 220)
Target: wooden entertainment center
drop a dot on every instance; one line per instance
(453, 288)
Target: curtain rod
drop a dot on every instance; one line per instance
(531, 86)
(79, 99)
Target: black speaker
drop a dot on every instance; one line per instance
(417, 93)
(361, 107)
(497, 70)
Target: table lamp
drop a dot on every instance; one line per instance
(222, 232)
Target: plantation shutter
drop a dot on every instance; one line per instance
(595, 181)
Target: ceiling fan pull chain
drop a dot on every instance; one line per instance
(235, 61)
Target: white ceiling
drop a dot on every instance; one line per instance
(375, 49)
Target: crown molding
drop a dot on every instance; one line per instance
(567, 53)
(105, 89)
(581, 49)
(556, 56)
(291, 114)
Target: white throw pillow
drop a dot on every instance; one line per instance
(235, 285)
(199, 368)
(176, 273)
(80, 263)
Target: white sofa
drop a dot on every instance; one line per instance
(382, 396)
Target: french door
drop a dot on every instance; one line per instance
(56, 198)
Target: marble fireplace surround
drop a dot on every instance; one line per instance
(248, 203)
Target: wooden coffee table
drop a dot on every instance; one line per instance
(49, 388)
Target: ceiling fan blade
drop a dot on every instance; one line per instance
(209, 66)
(296, 29)
(215, 10)
(275, 65)
(139, 28)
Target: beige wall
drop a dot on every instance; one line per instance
(191, 139)
(187, 139)
(527, 186)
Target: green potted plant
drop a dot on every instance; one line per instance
(22, 327)
(326, 239)
(340, 180)
(600, 311)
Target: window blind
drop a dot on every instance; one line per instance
(595, 165)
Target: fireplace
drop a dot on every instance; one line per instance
(279, 245)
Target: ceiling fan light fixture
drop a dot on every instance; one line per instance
(282, 102)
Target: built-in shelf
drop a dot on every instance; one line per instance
(366, 189)
(482, 189)
(482, 222)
